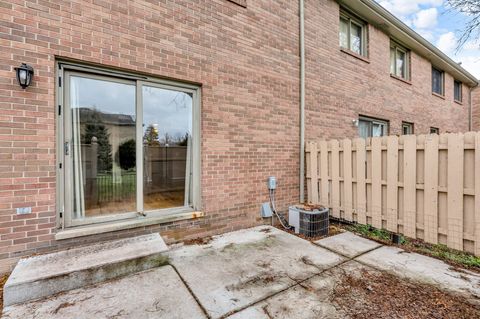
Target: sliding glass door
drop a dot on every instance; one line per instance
(127, 148)
(167, 143)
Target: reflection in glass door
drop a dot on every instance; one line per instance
(167, 147)
(99, 147)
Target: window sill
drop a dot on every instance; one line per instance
(438, 95)
(400, 79)
(458, 102)
(355, 55)
(82, 231)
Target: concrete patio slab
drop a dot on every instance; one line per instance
(310, 299)
(240, 268)
(425, 269)
(44, 275)
(156, 293)
(348, 244)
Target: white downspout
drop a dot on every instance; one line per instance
(302, 102)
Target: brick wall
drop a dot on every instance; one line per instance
(476, 109)
(342, 87)
(246, 60)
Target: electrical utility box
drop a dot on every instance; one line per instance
(272, 183)
(266, 210)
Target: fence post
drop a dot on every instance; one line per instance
(455, 191)
(335, 194)
(312, 185)
(347, 179)
(477, 194)
(431, 189)
(376, 182)
(324, 173)
(361, 208)
(410, 186)
(392, 183)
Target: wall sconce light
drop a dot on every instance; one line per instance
(24, 75)
(355, 123)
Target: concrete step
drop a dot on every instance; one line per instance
(44, 275)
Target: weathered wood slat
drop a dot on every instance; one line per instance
(431, 189)
(477, 195)
(409, 185)
(392, 181)
(361, 207)
(376, 182)
(324, 174)
(335, 179)
(455, 191)
(312, 162)
(347, 175)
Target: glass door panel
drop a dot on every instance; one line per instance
(167, 147)
(100, 127)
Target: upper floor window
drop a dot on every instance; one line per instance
(457, 91)
(399, 61)
(437, 81)
(353, 34)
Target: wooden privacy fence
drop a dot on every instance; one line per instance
(425, 186)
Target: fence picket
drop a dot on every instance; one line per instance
(410, 185)
(312, 187)
(436, 169)
(347, 179)
(455, 191)
(376, 182)
(324, 174)
(392, 183)
(361, 205)
(335, 179)
(431, 189)
(477, 195)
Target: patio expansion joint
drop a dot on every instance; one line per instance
(205, 312)
(348, 257)
(297, 282)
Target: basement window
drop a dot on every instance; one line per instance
(369, 127)
(407, 128)
(434, 130)
(129, 145)
(353, 34)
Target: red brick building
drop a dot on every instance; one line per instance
(476, 109)
(155, 116)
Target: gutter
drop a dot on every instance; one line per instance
(302, 101)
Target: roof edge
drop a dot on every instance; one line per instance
(401, 27)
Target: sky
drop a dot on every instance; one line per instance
(441, 26)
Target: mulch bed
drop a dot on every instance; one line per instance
(3, 280)
(381, 295)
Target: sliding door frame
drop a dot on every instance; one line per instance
(64, 189)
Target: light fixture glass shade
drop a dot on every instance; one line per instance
(24, 75)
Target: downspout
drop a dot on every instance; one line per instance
(302, 102)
